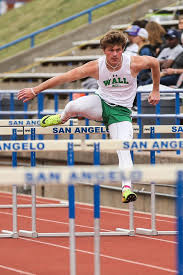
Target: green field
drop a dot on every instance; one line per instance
(41, 13)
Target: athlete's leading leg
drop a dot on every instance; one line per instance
(124, 131)
(87, 106)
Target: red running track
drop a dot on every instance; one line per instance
(139, 255)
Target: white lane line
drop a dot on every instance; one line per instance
(16, 270)
(127, 215)
(88, 227)
(107, 211)
(105, 256)
(155, 239)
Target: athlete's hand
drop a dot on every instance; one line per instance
(154, 98)
(26, 94)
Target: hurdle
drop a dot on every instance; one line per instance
(78, 145)
(147, 145)
(72, 175)
(14, 130)
(55, 145)
(157, 129)
(33, 131)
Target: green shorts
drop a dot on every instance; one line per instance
(113, 114)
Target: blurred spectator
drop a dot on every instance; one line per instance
(156, 33)
(171, 72)
(170, 76)
(131, 48)
(180, 24)
(145, 48)
(169, 54)
(180, 29)
(141, 23)
(141, 39)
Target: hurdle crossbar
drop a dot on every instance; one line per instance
(136, 144)
(175, 129)
(91, 174)
(38, 205)
(37, 145)
(54, 130)
(9, 131)
(30, 122)
(60, 145)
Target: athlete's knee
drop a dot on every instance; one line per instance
(73, 107)
(70, 107)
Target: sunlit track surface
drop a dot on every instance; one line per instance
(134, 255)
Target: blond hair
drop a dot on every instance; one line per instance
(156, 32)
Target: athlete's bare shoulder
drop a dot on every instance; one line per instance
(139, 63)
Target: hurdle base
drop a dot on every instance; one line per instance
(53, 205)
(9, 234)
(145, 231)
(167, 232)
(126, 232)
(82, 234)
(30, 234)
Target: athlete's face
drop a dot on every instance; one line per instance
(113, 54)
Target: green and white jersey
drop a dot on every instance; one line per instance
(118, 87)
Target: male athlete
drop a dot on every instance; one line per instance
(116, 75)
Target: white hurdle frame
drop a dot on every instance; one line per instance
(14, 232)
(6, 128)
(149, 143)
(34, 234)
(24, 129)
(158, 129)
(56, 145)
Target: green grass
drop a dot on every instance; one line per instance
(41, 13)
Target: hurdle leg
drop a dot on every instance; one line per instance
(72, 229)
(96, 229)
(14, 233)
(130, 231)
(179, 222)
(152, 231)
(32, 233)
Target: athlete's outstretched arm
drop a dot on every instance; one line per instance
(147, 62)
(86, 70)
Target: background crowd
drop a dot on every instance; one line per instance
(150, 38)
